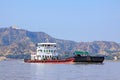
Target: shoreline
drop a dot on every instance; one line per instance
(111, 60)
(2, 58)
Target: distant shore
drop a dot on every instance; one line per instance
(111, 60)
(2, 58)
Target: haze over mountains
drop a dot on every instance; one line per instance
(14, 40)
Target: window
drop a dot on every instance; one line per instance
(42, 45)
(51, 50)
(46, 50)
(45, 45)
(45, 56)
(40, 50)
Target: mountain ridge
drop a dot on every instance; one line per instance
(18, 41)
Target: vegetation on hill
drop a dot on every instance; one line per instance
(15, 42)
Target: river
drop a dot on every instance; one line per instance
(18, 70)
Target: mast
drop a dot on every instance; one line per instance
(47, 40)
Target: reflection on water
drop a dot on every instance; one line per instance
(18, 70)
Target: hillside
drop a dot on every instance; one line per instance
(18, 41)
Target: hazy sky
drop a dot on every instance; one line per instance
(77, 20)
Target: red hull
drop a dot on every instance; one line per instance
(49, 61)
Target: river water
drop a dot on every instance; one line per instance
(18, 70)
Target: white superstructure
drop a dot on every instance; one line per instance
(45, 51)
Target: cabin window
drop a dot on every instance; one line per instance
(46, 50)
(45, 45)
(45, 56)
(49, 51)
(40, 50)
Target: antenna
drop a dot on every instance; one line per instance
(47, 40)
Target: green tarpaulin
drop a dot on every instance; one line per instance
(81, 53)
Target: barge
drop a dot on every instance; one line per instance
(81, 56)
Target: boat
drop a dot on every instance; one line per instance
(47, 53)
(81, 56)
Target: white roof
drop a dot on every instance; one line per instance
(47, 43)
